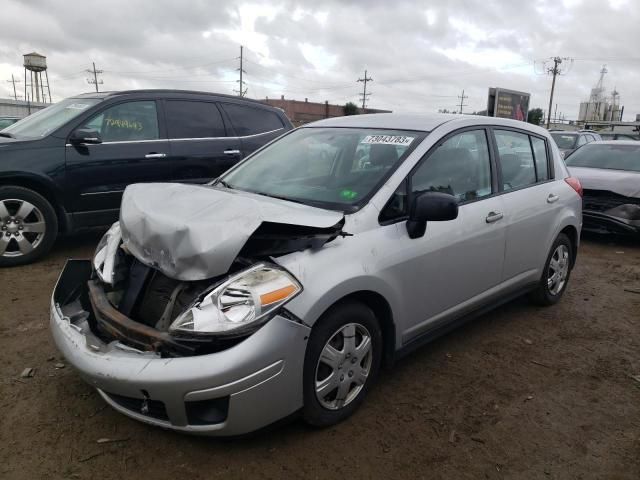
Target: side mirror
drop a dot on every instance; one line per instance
(430, 206)
(85, 135)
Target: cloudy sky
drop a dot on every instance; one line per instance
(420, 54)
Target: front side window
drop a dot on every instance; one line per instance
(45, 121)
(193, 119)
(327, 167)
(459, 167)
(516, 159)
(251, 121)
(131, 121)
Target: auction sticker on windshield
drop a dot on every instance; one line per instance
(401, 140)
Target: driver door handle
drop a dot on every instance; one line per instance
(494, 217)
(231, 152)
(552, 198)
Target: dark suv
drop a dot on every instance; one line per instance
(65, 167)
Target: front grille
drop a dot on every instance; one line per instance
(602, 200)
(154, 408)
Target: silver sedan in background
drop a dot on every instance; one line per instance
(284, 285)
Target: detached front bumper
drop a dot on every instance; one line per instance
(231, 392)
(602, 223)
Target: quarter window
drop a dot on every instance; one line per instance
(540, 154)
(129, 121)
(193, 120)
(252, 121)
(460, 166)
(516, 159)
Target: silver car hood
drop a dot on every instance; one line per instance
(193, 232)
(622, 182)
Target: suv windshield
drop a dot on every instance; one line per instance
(615, 157)
(565, 140)
(51, 118)
(336, 168)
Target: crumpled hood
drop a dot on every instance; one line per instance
(194, 232)
(621, 182)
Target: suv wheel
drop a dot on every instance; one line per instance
(341, 363)
(28, 226)
(555, 276)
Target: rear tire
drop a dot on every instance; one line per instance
(28, 226)
(341, 363)
(556, 273)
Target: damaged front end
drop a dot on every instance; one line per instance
(151, 292)
(609, 212)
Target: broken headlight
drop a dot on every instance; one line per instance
(105, 256)
(244, 300)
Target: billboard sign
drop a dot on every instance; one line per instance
(505, 103)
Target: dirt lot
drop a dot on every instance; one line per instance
(523, 392)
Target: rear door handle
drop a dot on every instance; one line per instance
(231, 152)
(155, 155)
(494, 217)
(552, 198)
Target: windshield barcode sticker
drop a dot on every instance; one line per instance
(400, 140)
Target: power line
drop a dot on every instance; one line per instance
(14, 81)
(555, 71)
(95, 80)
(364, 93)
(462, 98)
(241, 90)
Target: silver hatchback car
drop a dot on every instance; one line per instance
(284, 285)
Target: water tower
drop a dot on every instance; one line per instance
(35, 64)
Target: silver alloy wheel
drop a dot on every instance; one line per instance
(558, 269)
(22, 227)
(343, 366)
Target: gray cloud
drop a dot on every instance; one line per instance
(420, 54)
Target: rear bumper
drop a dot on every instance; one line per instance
(602, 223)
(232, 392)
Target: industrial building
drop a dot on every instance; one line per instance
(601, 107)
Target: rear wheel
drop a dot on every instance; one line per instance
(28, 226)
(557, 270)
(341, 363)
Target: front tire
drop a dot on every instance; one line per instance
(555, 276)
(341, 363)
(28, 226)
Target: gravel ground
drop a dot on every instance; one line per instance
(523, 392)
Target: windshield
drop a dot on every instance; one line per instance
(45, 121)
(614, 157)
(328, 167)
(565, 141)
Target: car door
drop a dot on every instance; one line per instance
(255, 126)
(457, 264)
(133, 149)
(200, 146)
(530, 202)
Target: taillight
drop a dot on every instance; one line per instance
(575, 184)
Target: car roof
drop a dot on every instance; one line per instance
(616, 143)
(162, 91)
(419, 122)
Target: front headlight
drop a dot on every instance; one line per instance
(244, 300)
(105, 256)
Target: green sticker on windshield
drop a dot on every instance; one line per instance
(348, 194)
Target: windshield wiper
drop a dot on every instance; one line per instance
(6, 134)
(286, 199)
(224, 184)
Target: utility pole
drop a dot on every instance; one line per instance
(555, 71)
(14, 81)
(364, 93)
(241, 90)
(462, 97)
(95, 80)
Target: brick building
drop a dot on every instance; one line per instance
(301, 112)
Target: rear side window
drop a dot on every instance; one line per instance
(582, 140)
(542, 161)
(127, 122)
(516, 159)
(193, 119)
(251, 121)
